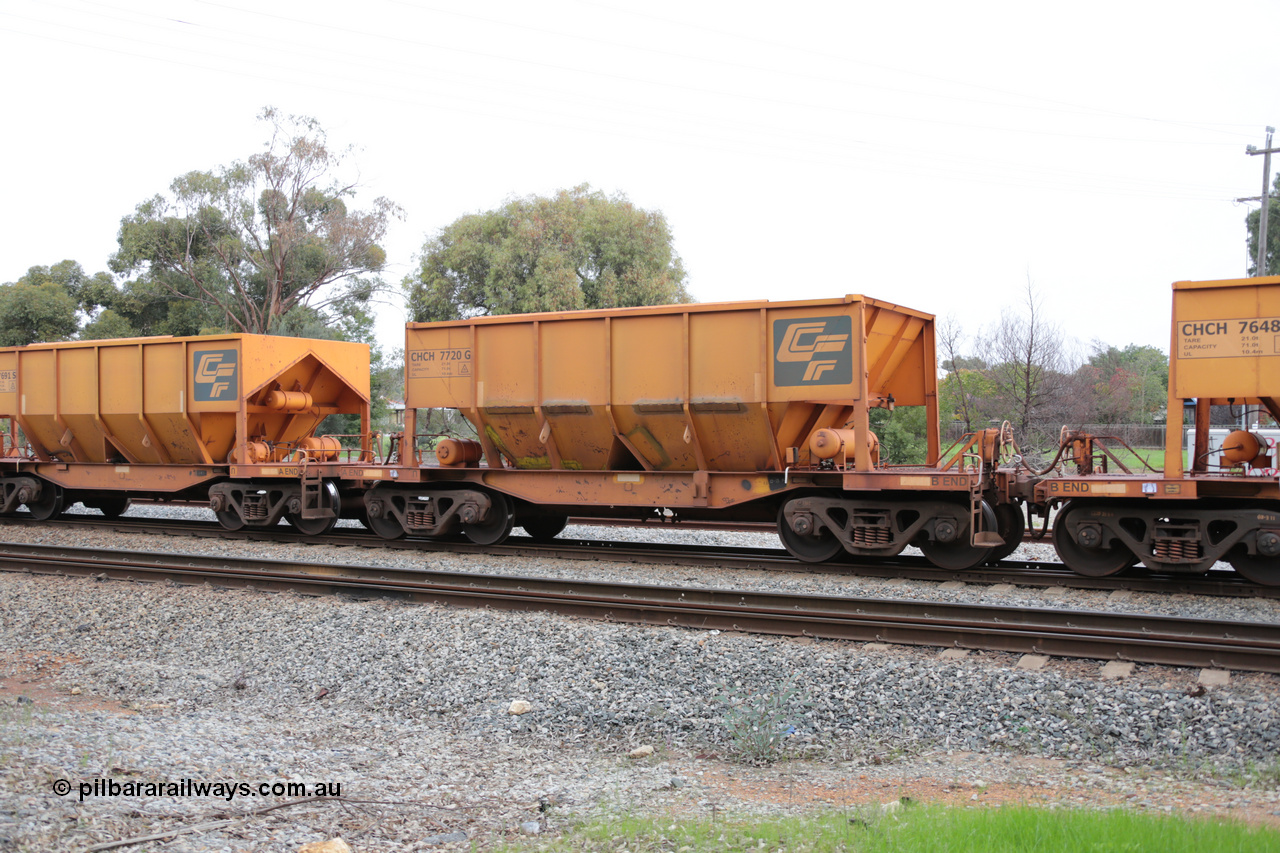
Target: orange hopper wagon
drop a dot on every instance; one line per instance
(731, 411)
(103, 421)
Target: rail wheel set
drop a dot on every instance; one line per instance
(744, 411)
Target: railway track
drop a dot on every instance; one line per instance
(1101, 636)
(1043, 574)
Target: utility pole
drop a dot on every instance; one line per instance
(1260, 268)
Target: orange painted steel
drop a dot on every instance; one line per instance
(458, 451)
(180, 401)
(1196, 512)
(720, 387)
(1224, 350)
(838, 444)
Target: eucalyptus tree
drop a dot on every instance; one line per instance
(255, 240)
(577, 249)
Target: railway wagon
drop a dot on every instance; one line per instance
(226, 418)
(732, 411)
(1215, 505)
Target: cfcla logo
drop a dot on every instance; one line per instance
(805, 340)
(813, 351)
(215, 372)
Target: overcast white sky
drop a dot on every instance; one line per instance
(936, 154)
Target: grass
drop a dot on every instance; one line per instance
(921, 829)
(1154, 458)
(757, 722)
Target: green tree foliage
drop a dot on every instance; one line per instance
(1126, 386)
(968, 395)
(1273, 233)
(35, 313)
(253, 241)
(902, 434)
(150, 309)
(49, 303)
(108, 324)
(90, 292)
(578, 249)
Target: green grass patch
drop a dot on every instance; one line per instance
(1133, 459)
(921, 829)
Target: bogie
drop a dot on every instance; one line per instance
(818, 527)
(730, 412)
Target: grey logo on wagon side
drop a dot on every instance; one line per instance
(216, 372)
(813, 351)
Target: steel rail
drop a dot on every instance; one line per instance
(1081, 634)
(657, 522)
(1043, 574)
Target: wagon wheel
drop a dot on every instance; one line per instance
(1264, 571)
(544, 528)
(381, 520)
(496, 527)
(111, 507)
(959, 555)
(819, 548)
(386, 526)
(1011, 525)
(1090, 562)
(229, 518)
(52, 502)
(319, 526)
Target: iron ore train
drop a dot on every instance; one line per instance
(744, 411)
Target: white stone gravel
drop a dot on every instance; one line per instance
(818, 582)
(407, 705)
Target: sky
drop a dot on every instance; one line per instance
(939, 155)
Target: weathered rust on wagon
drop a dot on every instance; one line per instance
(728, 387)
(750, 410)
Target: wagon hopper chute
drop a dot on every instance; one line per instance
(169, 417)
(730, 410)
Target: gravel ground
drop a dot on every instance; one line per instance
(409, 708)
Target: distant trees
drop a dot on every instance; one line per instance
(967, 394)
(1025, 372)
(901, 434)
(577, 249)
(35, 312)
(1252, 222)
(49, 303)
(967, 391)
(1125, 386)
(1022, 372)
(267, 245)
(249, 242)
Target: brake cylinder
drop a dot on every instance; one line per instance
(1242, 447)
(833, 443)
(458, 451)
